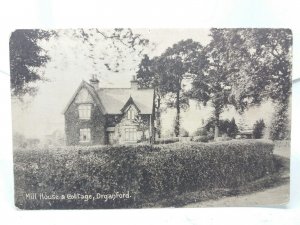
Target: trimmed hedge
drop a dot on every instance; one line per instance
(166, 140)
(200, 138)
(148, 172)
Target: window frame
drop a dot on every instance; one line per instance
(130, 134)
(87, 134)
(131, 113)
(84, 113)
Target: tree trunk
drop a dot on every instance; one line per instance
(217, 121)
(158, 122)
(177, 119)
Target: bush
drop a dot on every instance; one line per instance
(200, 139)
(148, 172)
(201, 132)
(258, 129)
(228, 127)
(224, 138)
(280, 126)
(183, 133)
(232, 129)
(166, 140)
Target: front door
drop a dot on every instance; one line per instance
(111, 138)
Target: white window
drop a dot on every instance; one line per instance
(130, 134)
(131, 114)
(85, 135)
(84, 111)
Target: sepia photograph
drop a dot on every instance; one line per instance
(151, 118)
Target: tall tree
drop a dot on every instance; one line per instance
(262, 58)
(26, 60)
(275, 47)
(145, 74)
(175, 65)
(148, 76)
(245, 67)
(265, 65)
(210, 85)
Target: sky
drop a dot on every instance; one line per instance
(70, 64)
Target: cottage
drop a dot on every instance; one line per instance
(98, 116)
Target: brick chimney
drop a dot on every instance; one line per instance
(134, 83)
(94, 82)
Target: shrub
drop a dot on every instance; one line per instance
(149, 172)
(228, 127)
(200, 139)
(224, 138)
(183, 133)
(232, 129)
(258, 129)
(166, 140)
(280, 126)
(200, 132)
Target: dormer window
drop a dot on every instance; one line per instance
(84, 111)
(131, 114)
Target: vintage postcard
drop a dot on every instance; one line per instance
(139, 118)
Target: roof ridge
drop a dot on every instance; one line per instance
(141, 89)
(114, 88)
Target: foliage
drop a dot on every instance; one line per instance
(148, 77)
(258, 129)
(173, 67)
(145, 75)
(232, 128)
(20, 141)
(148, 172)
(119, 40)
(166, 140)
(27, 58)
(210, 83)
(280, 123)
(228, 127)
(203, 138)
(243, 67)
(264, 60)
(176, 125)
(142, 125)
(200, 132)
(184, 132)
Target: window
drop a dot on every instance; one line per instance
(130, 114)
(130, 134)
(85, 135)
(84, 111)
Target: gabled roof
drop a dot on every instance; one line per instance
(113, 100)
(91, 91)
(128, 103)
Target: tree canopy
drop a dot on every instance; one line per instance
(175, 63)
(26, 60)
(242, 67)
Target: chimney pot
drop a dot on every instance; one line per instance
(94, 81)
(134, 83)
